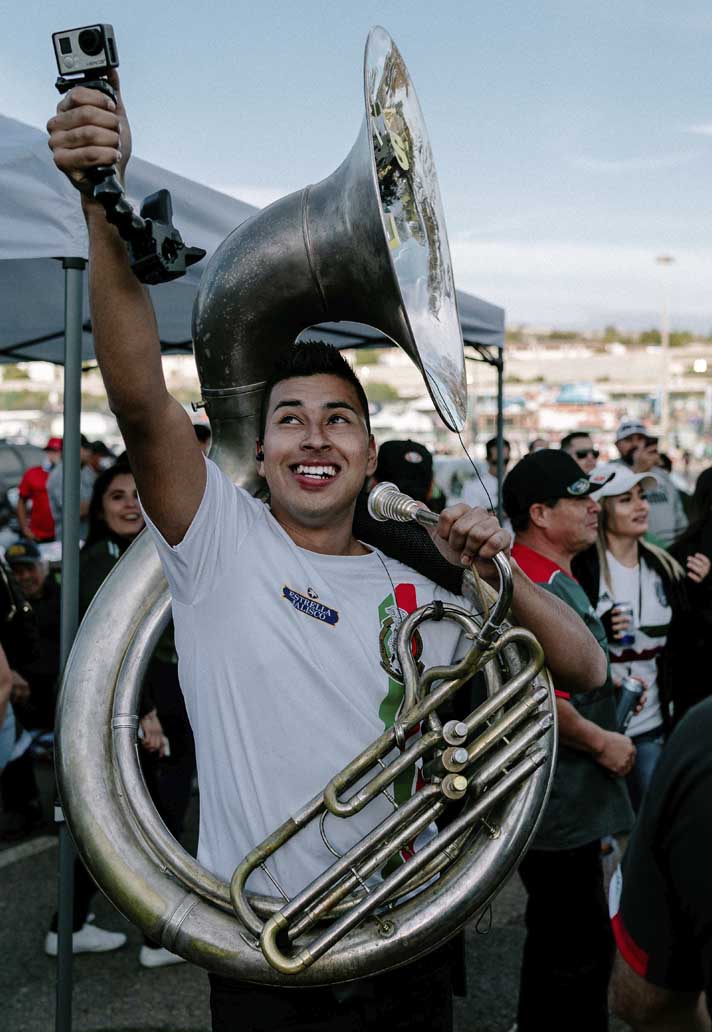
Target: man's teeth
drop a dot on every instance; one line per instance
(322, 472)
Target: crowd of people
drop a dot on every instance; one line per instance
(582, 532)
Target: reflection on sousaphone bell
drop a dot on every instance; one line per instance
(366, 244)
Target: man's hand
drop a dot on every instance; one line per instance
(698, 567)
(153, 738)
(617, 753)
(89, 130)
(465, 536)
(620, 622)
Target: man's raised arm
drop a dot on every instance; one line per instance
(90, 130)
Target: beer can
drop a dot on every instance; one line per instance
(631, 689)
(628, 636)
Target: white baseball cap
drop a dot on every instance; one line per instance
(617, 479)
(628, 427)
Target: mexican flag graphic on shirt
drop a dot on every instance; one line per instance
(391, 613)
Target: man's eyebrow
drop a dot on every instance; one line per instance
(341, 404)
(295, 403)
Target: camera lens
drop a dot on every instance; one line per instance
(91, 42)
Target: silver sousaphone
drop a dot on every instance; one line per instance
(368, 244)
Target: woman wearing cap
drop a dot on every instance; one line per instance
(651, 643)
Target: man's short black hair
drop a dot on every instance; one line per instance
(522, 520)
(566, 441)
(493, 442)
(313, 358)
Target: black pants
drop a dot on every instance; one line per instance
(568, 951)
(416, 998)
(18, 786)
(169, 779)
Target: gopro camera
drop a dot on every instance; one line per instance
(86, 52)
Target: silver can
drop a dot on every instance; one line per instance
(631, 689)
(628, 636)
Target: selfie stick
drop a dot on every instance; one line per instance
(157, 253)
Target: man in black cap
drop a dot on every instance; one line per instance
(100, 456)
(409, 465)
(568, 951)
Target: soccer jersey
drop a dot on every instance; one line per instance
(661, 906)
(642, 588)
(586, 802)
(287, 663)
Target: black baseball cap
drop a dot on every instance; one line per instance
(407, 464)
(99, 448)
(543, 476)
(22, 551)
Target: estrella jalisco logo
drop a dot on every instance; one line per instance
(310, 605)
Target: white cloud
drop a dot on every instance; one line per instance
(585, 285)
(644, 163)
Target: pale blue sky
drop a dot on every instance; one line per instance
(573, 138)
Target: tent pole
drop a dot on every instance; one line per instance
(500, 431)
(69, 613)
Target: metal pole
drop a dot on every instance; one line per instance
(69, 613)
(500, 432)
(665, 260)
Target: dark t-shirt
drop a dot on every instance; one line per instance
(661, 904)
(42, 672)
(586, 802)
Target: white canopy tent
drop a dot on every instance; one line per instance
(42, 222)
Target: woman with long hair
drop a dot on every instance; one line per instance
(115, 520)
(642, 595)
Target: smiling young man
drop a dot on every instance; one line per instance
(285, 622)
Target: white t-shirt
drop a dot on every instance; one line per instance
(643, 589)
(282, 655)
(485, 494)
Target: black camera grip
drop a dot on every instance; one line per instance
(157, 253)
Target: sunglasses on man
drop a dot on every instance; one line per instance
(583, 453)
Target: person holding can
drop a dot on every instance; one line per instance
(641, 595)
